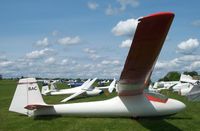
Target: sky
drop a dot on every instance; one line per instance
(90, 38)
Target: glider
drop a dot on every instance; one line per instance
(85, 89)
(131, 101)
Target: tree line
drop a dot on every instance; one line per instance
(175, 75)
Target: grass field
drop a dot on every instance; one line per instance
(189, 119)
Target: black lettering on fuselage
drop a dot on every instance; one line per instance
(32, 88)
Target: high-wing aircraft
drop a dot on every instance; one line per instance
(187, 83)
(131, 101)
(188, 79)
(184, 84)
(163, 85)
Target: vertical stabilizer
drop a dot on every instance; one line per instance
(45, 90)
(26, 93)
(112, 86)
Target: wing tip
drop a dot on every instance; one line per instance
(170, 14)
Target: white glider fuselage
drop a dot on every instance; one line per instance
(125, 106)
(28, 100)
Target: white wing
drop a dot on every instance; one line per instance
(74, 95)
(83, 90)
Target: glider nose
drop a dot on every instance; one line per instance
(176, 105)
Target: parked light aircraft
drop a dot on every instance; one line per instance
(188, 79)
(194, 94)
(75, 84)
(164, 85)
(186, 84)
(102, 83)
(131, 101)
(183, 86)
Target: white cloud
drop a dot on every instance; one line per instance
(188, 46)
(189, 58)
(39, 53)
(116, 62)
(43, 42)
(64, 61)
(113, 62)
(126, 43)
(196, 23)
(88, 50)
(50, 60)
(92, 5)
(125, 3)
(91, 53)
(69, 40)
(194, 66)
(94, 56)
(55, 33)
(125, 28)
(5, 63)
(183, 63)
(167, 65)
(111, 11)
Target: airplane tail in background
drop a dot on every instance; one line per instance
(45, 90)
(85, 83)
(112, 86)
(185, 77)
(53, 86)
(27, 96)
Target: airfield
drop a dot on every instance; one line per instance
(188, 119)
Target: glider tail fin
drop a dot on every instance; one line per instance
(112, 86)
(45, 90)
(27, 93)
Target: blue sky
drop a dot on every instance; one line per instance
(90, 38)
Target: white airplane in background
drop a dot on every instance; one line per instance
(182, 86)
(53, 90)
(45, 81)
(131, 101)
(188, 79)
(103, 82)
(46, 84)
(186, 85)
(91, 91)
(85, 89)
(162, 85)
(194, 93)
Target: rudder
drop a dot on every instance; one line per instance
(26, 93)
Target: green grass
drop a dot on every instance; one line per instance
(189, 119)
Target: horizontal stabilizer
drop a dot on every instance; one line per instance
(36, 106)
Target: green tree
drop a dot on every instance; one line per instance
(191, 73)
(171, 76)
